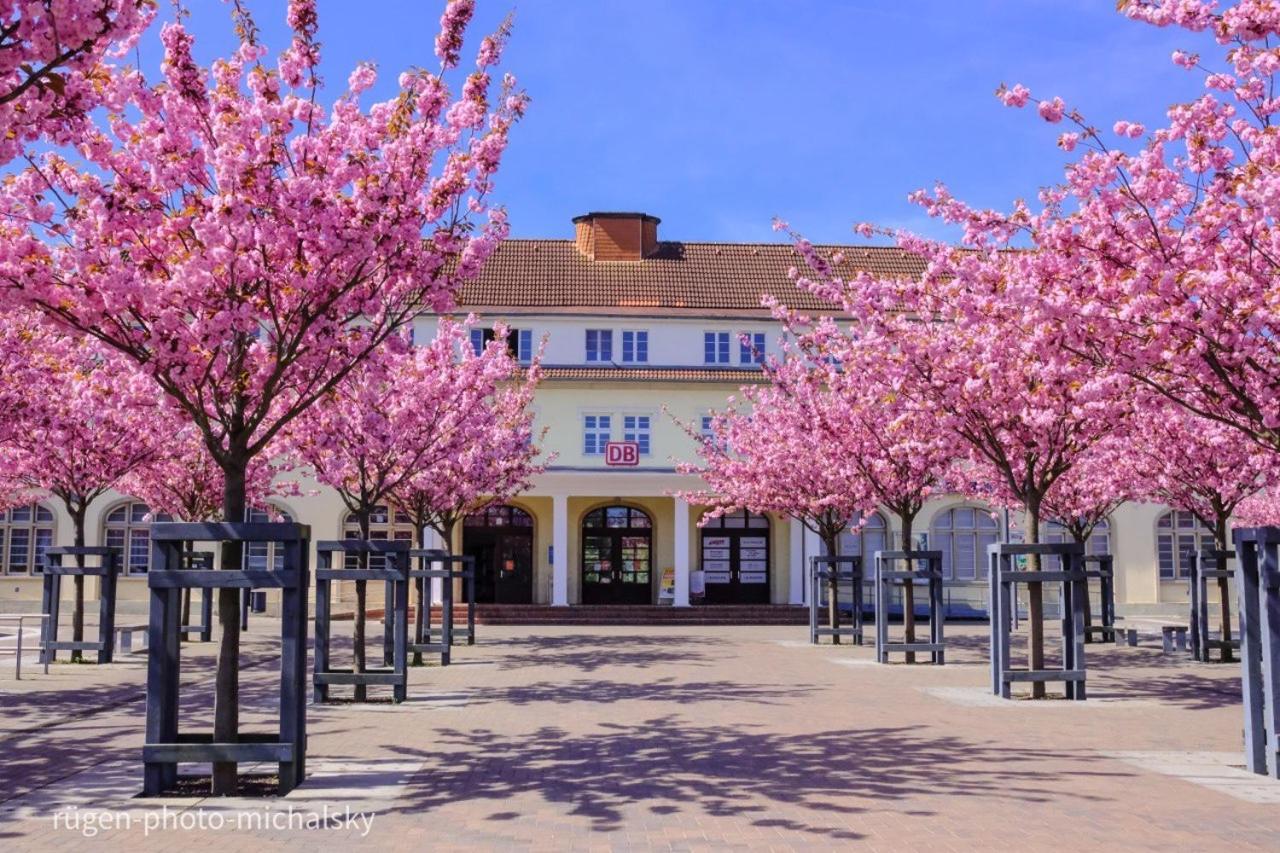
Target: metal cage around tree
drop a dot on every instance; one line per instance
(166, 746)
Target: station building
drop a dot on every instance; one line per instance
(640, 332)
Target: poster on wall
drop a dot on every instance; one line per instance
(667, 589)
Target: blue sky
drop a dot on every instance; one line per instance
(717, 115)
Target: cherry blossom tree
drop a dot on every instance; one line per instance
(54, 60)
(87, 422)
(249, 247)
(1200, 466)
(1097, 484)
(181, 480)
(1158, 253)
(766, 452)
(1006, 385)
(894, 449)
(491, 455)
(407, 413)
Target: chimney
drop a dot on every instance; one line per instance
(616, 236)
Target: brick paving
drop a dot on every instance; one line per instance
(679, 737)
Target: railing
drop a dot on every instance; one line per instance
(21, 619)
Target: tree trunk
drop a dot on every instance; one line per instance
(908, 591)
(226, 701)
(78, 509)
(423, 592)
(446, 535)
(1035, 601)
(358, 632)
(832, 544)
(1224, 589)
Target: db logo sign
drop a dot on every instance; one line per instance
(622, 453)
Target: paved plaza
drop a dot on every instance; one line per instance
(671, 738)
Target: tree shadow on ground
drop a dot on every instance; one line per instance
(805, 782)
(1138, 673)
(591, 652)
(668, 690)
(79, 732)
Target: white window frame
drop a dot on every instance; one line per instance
(635, 340)
(647, 432)
(596, 431)
(602, 336)
(723, 347)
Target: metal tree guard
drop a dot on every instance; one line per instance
(887, 578)
(1105, 630)
(107, 570)
(828, 571)
(166, 747)
(1258, 586)
(395, 572)
(1210, 564)
(1002, 577)
(203, 628)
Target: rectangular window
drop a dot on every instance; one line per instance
(635, 347)
(706, 425)
(19, 549)
(751, 348)
(599, 345)
(139, 550)
(520, 345)
(715, 347)
(597, 431)
(636, 428)
(480, 339)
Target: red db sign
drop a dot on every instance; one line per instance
(622, 453)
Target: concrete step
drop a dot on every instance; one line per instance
(539, 614)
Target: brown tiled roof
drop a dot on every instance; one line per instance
(695, 278)
(726, 375)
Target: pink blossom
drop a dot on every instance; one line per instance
(1015, 97)
(1052, 111)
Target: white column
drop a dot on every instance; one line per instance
(560, 550)
(682, 553)
(436, 585)
(799, 563)
(812, 547)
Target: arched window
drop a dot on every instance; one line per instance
(499, 515)
(737, 519)
(864, 542)
(1099, 541)
(962, 534)
(127, 529)
(260, 555)
(617, 556)
(25, 532)
(385, 522)
(1177, 532)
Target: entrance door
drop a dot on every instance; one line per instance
(735, 559)
(617, 556)
(500, 539)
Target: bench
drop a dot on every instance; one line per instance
(1124, 635)
(125, 634)
(1173, 636)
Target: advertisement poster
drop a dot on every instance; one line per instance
(667, 589)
